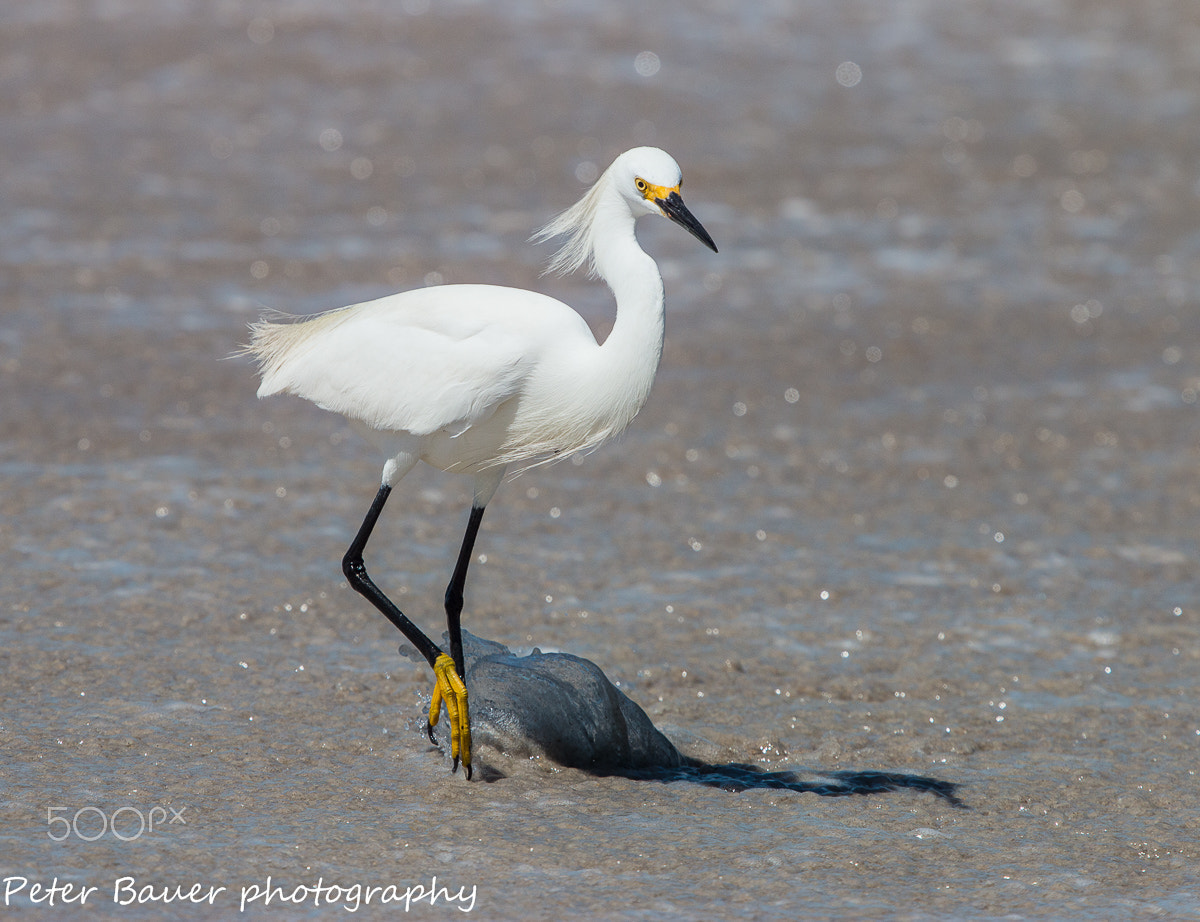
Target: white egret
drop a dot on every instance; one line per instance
(474, 378)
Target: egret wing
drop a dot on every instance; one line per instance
(421, 361)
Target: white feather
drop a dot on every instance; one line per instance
(477, 376)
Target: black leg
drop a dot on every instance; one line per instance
(356, 574)
(454, 592)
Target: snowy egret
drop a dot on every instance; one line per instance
(474, 378)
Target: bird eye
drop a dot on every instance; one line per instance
(641, 185)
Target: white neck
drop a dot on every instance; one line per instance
(633, 348)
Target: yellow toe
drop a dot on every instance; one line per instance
(451, 690)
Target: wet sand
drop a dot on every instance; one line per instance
(916, 490)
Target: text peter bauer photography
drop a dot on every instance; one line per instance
(132, 892)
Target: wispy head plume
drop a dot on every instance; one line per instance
(577, 223)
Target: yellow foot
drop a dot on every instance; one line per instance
(450, 688)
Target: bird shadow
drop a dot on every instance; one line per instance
(563, 708)
(736, 777)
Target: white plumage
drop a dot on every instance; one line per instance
(473, 378)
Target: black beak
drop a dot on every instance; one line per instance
(674, 209)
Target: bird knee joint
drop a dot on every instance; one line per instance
(354, 569)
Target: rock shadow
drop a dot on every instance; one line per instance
(564, 709)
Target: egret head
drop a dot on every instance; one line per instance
(650, 178)
(647, 180)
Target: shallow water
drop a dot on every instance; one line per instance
(916, 490)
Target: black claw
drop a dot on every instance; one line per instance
(429, 731)
(454, 767)
(467, 771)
